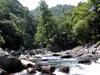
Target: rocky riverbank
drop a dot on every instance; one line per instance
(29, 61)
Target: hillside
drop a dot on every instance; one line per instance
(58, 10)
(17, 25)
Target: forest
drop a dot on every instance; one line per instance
(58, 28)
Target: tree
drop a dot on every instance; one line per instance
(82, 31)
(17, 25)
(80, 12)
(85, 21)
(95, 4)
(46, 29)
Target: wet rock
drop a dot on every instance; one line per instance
(44, 59)
(28, 71)
(25, 57)
(84, 61)
(48, 69)
(26, 62)
(90, 56)
(31, 71)
(15, 53)
(28, 57)
(13, 65)
(64, 69)
(56, 55)
(67, 56)
(31, 52)
(45, 69)
(3, 72)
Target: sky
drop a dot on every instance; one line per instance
(32, 4)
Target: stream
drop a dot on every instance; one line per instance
(75, 68)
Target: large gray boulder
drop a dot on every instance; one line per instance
(64, 69)
(13, 65)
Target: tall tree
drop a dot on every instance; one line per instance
(46, 29)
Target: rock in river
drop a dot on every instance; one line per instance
(84, 61)
(64, 69)
(12, 65)
(67, 56)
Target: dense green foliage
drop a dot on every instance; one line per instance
(75, 25)
(16, 25)
(61, 21)
(85, 21)
(46, 28)
(61, 27)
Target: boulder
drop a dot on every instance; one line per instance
(56, 55)
(31, 71)
(25, 57)
(31, 52)
(67, 56)
(26, 62)
(84, 61)
(15, 53)
(48, 69)
(64, 69)
(13, 65)
(45, 68)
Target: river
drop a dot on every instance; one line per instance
(75, 67)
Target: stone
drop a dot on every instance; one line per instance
(26, 62)
(56, 55)
(67, 56)
(31, 71)
(48, 69)
(45, 68)
(15, 53)
(84, 61)
(13, 65)
(64, 69)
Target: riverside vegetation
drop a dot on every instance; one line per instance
(58, 28)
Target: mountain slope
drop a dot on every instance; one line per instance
(58, 10)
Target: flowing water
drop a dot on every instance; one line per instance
(75, 68)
